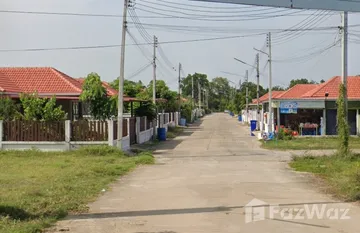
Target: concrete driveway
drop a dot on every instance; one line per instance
(202, 182)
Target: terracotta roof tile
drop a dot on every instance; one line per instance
(39, 79)
(297, 91)
(274, 94)
(332, 87)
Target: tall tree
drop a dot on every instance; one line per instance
(294, 82)
(131, 88)
(101, 105)
(186, 84)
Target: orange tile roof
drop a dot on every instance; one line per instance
(274, 94)
(332, 87)
(44, 80)
(297, 91)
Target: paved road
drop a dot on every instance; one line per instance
(201, 183)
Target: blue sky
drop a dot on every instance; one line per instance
(22, 31)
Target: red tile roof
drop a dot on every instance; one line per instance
(44, 80)
(297, 91)
(332, 87)
(274, 94)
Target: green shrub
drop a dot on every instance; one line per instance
(285, 134)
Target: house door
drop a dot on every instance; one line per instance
(331, 122)
(352, 121)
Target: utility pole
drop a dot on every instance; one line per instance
(247, 94)
(257, 91)
(121, 78)
(154, 85)
(344, 57)
(179, 87)
(192, 97)
(270, 85)
(199, 94)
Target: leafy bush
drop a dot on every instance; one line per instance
(9, 110)
(285, 134)
(146, 109)
(36, 108)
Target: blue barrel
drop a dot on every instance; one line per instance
(253, 125)
(239, 117)
(161, 134)
(183, 122)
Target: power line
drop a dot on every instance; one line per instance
(216, 11)
(139, 71)
(136, 44)
(210, 18)
(144, 51)
(147, 37)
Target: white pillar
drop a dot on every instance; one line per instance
(68, 134)
(110, 132)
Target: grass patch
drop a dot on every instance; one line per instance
(38, 188)
(310, 143)
(342, 176)
(173, 132)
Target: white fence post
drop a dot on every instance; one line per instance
(68, 134)
(110, 132)
(137, 128)
(1, 133)
(161, 120)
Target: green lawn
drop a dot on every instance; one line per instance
(342, 176)
(38, 188)
(309, 143)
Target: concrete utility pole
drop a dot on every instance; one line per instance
(121, 79)
(257, 91)
(247, 94)
(270, 85)
(199, 94)
(344, 57)
(154, 85)
(179, 87)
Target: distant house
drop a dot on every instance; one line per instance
(312, 107)
(48, 82)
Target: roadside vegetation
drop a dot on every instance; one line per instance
(340, 175)
(38, 188)
(309, 143)
(173, 132)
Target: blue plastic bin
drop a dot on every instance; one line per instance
(239, 117)
(161, 134)
(253, 125)
(183, 122)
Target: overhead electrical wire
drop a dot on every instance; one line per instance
(216, 11)
(144, 51)
(147, 37)
(136, 44)
(210, 18)
(307, 56)
(311, 23)
(139, 71)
